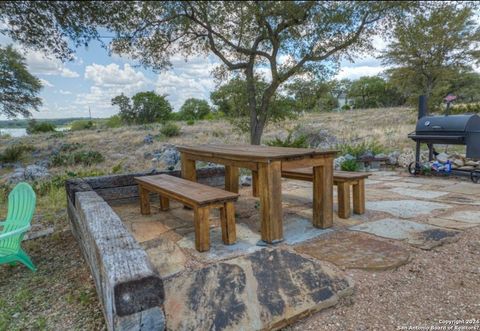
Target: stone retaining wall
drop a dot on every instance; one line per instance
(129, 288)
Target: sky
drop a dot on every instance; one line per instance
(90, 81)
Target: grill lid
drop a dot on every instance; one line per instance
(451, 123)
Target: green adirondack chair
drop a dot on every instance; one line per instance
(21, 205)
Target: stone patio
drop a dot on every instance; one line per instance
(250, 287)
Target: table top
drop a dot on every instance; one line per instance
(252, 152)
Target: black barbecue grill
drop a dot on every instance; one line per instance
(447, 129)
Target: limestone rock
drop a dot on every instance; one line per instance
(148, 139)
(459, 162)
(471, 163)
(356, 251)
(246, 293)
(17, 176)
(36, 172)
(442, 157)
(246, 180)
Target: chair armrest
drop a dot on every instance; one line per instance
(3, 223)
(14, 233)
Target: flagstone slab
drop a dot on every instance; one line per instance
(147, 230)
(422, 194)
(447, 223)
(264, 290)
(421, 235)
(386, 178)
(406, 208)
(246, 243)
(372, 182)
(355, 250)
(465, 216)
(403, 184)
(167, 258)
(297, 229)
(463, 188)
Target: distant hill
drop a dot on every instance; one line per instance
(23, 123)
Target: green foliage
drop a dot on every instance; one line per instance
(359, 148)
(290, 141)
(117, 168)
(14, 152)
(194, 109)
(170, 129)
(374, 92)
(430, 47)
(82, 125)
(311, 95)
(465, 108)
(349, 165)
(114, 121)
(39, 127)
(231, 100)
(143, 108)
(190, 122)
(86, 158)
(18, 88)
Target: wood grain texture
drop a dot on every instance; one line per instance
(231, 179)
(130, 290)
(227, 220)
(188, 168)
(202, 228)
(144, 200)
(359, 197)
(344, 200)
(252, 153)
(323, 196)
(270, 192)
(255, 183)
(164, 203)
(185, 191)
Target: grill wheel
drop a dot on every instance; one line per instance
(475, 176)
(414, 168)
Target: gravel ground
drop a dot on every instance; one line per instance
(438, 285)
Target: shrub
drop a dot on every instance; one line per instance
(14, 153)
(190, 122)
(358, 149)
(465, 108)
(346, 107)
(290, 141)
(114, 121)
(40, 127)
(170, 129)
(86, 158)
(349, 165)
(82, 125)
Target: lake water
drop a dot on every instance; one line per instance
(21, 132)
(14, 132)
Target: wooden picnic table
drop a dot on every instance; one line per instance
(267, 164)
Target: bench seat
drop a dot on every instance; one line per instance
(201, 198)
(343, 180)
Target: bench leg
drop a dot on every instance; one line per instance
(255, 183)
(164, 203)
(227, 219)
(344, 200)
(202, 228)
(359, 197)
(270, 192)
(144, 200)
(231, 179)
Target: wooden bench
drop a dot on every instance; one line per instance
(343, 180)
(200, 198)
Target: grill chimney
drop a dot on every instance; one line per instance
(422, 106)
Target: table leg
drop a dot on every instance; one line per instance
(188, 168)
(231, 179)
(144, 200)
(323, 195)
(227, 220)
(164, 204)
(255, 183)
(270, 192)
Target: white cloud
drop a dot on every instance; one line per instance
(39, 64)
(114, 75)
(188, 79)
(63, 92)
(352, 72)
(46, 83)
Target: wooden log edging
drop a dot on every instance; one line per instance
(129, 288)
